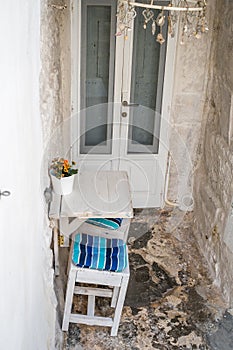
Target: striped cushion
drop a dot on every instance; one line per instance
(99, 253)
(112, 224)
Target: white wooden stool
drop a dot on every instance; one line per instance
(117, 283)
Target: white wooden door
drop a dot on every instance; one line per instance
(111, 73)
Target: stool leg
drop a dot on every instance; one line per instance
(126, 233)
(114, 296)
(70, 257)
(119, 305)
(91, 305)
(69, 299)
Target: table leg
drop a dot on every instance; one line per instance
(56, 250)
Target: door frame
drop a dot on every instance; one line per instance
(168, 86)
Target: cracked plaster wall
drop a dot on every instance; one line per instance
(214, 177)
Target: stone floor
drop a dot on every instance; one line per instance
(171, 302)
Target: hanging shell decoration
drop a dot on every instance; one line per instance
(160, 20)
(125, 16)
(160, 39)
(148, 15)
(170, 26)
(153, 27)
(192, 13)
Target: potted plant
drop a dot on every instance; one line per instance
(62, 175)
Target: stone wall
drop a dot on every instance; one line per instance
(55, 75)
(190, 80)
(55, 109)
(214, 177)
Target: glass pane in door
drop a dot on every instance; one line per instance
(146, 87)
(97, 68)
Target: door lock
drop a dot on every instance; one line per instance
(124, 114)
(126, 104)
(4, 193)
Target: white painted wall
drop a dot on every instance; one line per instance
(27, 307)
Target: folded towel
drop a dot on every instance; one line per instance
(112, 224)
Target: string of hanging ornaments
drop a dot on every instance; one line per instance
(192, 13)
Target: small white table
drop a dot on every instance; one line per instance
(99, 194)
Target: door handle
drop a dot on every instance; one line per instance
(4, 193)
(126, 104)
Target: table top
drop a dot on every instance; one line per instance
(96, 194)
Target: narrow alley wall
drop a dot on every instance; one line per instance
(55, 109)
(190, 81)
(55, 75)
(214, 177)
(27, 306)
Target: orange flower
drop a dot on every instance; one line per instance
(66, 166)
(62, 168)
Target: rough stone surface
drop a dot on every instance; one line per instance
(55, 75)
(53, 102)
(214, 177)
(51, 69)
(190, 80)
(223, 337)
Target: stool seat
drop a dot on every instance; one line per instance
(100, 262)
(99, 253)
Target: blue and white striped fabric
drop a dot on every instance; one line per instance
(99, 253)
(112, 224)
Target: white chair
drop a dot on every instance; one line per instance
(117, 283)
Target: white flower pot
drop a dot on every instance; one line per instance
(64, 185)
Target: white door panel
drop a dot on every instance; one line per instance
(96, 164)
(112, 70)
